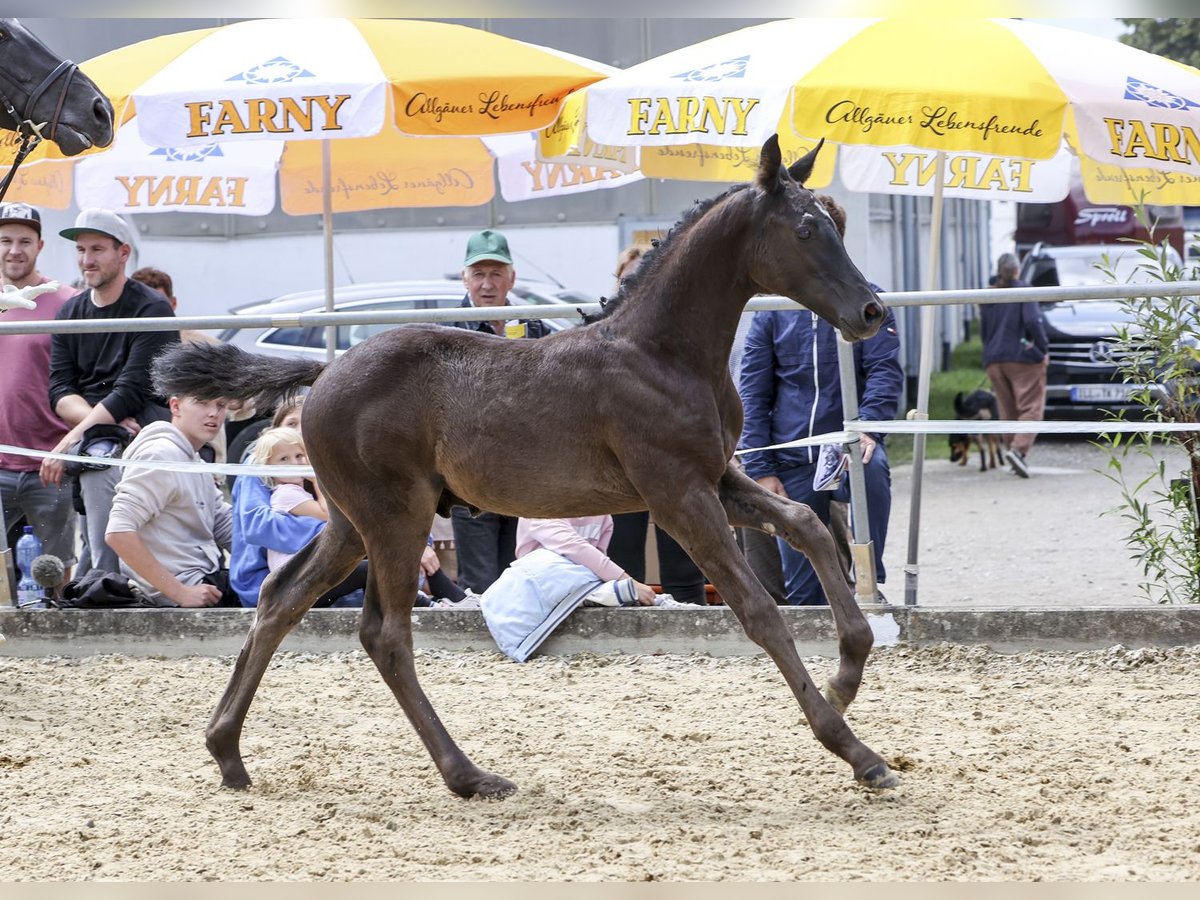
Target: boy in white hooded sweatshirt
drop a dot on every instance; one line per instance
(169, 527)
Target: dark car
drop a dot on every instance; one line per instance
(1083, 378)
(292, 340)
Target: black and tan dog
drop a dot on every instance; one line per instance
(978, 404)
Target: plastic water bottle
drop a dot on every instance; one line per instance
(29, 592)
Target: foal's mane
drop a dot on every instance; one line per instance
(654, 259)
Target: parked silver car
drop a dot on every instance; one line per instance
(379, 297)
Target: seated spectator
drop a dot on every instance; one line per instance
(258, 528)
(261, 531)
(286, 414)
(169, 527)
(560, 565)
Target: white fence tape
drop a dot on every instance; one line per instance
(975, 426)
(165, 464)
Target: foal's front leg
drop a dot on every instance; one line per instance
(697, 522)
(749, 505)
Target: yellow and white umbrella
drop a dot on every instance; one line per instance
(318, 79)
(393, 90)
(209, 116)
(1013, 92)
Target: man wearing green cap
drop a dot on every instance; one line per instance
(488, 276)
(487, 543)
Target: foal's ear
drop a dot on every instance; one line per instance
(769, 162)
(802, 168)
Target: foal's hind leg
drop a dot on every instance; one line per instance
(749, 505)
(287, 594)
(386, 634)
(697, 522)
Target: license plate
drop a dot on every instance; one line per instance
(1102, 393)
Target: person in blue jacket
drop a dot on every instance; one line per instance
(791, 389)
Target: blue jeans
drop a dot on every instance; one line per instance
(800, 583)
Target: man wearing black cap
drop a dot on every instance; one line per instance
(103, 379)
(486, 544)
(26, 419)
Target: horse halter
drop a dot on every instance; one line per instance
(30, 131)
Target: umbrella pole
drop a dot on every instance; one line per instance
(327, 228)
(921, 413)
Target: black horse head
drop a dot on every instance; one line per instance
(43, 95)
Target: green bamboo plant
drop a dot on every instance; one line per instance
(1159, 352)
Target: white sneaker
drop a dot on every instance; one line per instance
(1016, 459)
(613, 593)
(666, 601)
(471, 601)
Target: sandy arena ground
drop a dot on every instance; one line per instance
(1037, 766)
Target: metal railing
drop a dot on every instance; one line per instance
(571, 311)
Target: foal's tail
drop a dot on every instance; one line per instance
(211, 371)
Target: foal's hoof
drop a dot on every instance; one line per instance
(486, 787)
(236, 784)
(236, 780)
(879, 776)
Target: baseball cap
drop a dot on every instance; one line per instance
(105, 221)
(485, 245)
(20, 214)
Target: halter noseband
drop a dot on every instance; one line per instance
(30, 131)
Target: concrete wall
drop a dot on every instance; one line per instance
(712, 630)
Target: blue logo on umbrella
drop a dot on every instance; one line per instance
(188, 154)
(1154, 96)
(731, 68)
(279, 70)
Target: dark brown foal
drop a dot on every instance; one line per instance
(633, 411)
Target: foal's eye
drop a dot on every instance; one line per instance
(804, 232)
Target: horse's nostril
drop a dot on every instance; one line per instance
(873, 312)
(102, 111)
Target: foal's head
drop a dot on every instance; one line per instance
(799, 253)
